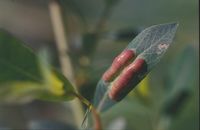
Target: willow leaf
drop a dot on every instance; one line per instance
(147, 50)
(24, 77)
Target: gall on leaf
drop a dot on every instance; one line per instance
(128, 79)
(119, 63)
(146, 49)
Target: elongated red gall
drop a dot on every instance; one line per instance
(118, 63)
(128, 79)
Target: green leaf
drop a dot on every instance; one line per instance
(149, 45)
(183, 68)
(182, 76)
(24, 76)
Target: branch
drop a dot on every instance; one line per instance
(63, 49)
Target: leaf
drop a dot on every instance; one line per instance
(24, 76)
(153, 35)
(182, 75)
(147, 49)
(183, 68)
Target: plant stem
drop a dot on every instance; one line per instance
(96, 119)
(95, 114)
(62, 46)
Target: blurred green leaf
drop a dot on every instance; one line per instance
(182, 76)
(149, 45)
(182, 71)
(24, 76)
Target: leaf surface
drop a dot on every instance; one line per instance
(149, 45)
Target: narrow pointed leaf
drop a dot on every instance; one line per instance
(124, 74)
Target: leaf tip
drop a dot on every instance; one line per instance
(175, 25)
